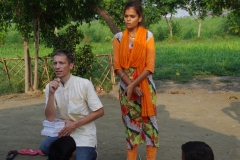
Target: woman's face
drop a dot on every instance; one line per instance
(131, 18)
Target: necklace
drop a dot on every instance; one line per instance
(131, 36)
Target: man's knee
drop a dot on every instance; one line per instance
(86, 153)
(44, 146)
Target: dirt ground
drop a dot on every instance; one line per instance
(203, 110)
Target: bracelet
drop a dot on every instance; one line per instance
(122, 75)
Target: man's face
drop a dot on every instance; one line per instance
(61, 66)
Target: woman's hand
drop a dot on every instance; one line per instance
(130, 89)
(138, 91)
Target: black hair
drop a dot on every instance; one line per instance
(136, 4)
(62, 148)
(196, 150)
(69, 55)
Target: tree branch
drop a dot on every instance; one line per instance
(104, 14)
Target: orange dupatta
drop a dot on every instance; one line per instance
(137, 59)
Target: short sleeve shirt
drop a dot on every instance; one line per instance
(75, 100)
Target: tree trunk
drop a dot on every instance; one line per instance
(199, 27)
(169, 26)
(27, 67)
(105, 15)
(36, 24)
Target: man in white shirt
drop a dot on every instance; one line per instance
(77, 104)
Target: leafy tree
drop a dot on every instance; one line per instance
(233, 21)
(110, 12)
(104, 13)
(45, 16)
(67, 40)
(165, 8)
(199, 10)
(84, 61)
(218, 6)
(233, 11)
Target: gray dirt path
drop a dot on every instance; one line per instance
(206, 110)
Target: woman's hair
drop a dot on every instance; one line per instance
(136, 4)
(62, 148)
(69, 55)
(196, 150)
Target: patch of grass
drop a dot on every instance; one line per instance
(213, 54)
(182, 61)
(225, 81)
(10, 88)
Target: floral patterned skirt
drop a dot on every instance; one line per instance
(138, 129)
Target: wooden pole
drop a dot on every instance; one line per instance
(112, 74)
(5, 68)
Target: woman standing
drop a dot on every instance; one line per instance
(134, 58)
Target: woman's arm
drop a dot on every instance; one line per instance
(148, 69)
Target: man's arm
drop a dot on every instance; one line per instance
(50, 111)
(94, 104)
(71, 126)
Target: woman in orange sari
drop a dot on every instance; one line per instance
(134, 58)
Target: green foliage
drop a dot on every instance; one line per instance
(162, 32)
(115, 9)
(233, 22)
(189, 34)
(10, 88)
(1, 38)
(214, 54)
(186, 28)
(220, 6)
(68, 40)
(95, 32)
(84, 61)
(176, 29)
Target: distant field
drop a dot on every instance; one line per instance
(214, 54)
(183, 61)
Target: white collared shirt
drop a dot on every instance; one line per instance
(75, 100)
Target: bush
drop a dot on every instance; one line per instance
(84, 60)
(1, 38)
(161, 33)
(233, 22)
(96, 32)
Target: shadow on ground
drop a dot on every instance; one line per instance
(20, 128)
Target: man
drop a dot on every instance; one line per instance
(64, 148)
(196, 150)
(77, 104)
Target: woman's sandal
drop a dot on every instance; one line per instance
(27, 151)
(40, 152)
(11, 154)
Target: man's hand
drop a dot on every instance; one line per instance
(68, 129)
(53, 85)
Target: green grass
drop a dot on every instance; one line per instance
(185, 60)
(214, 54)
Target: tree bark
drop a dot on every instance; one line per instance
(199, 27)
(36, 24)
(105, 15)
(27, 67)
(169, 23)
